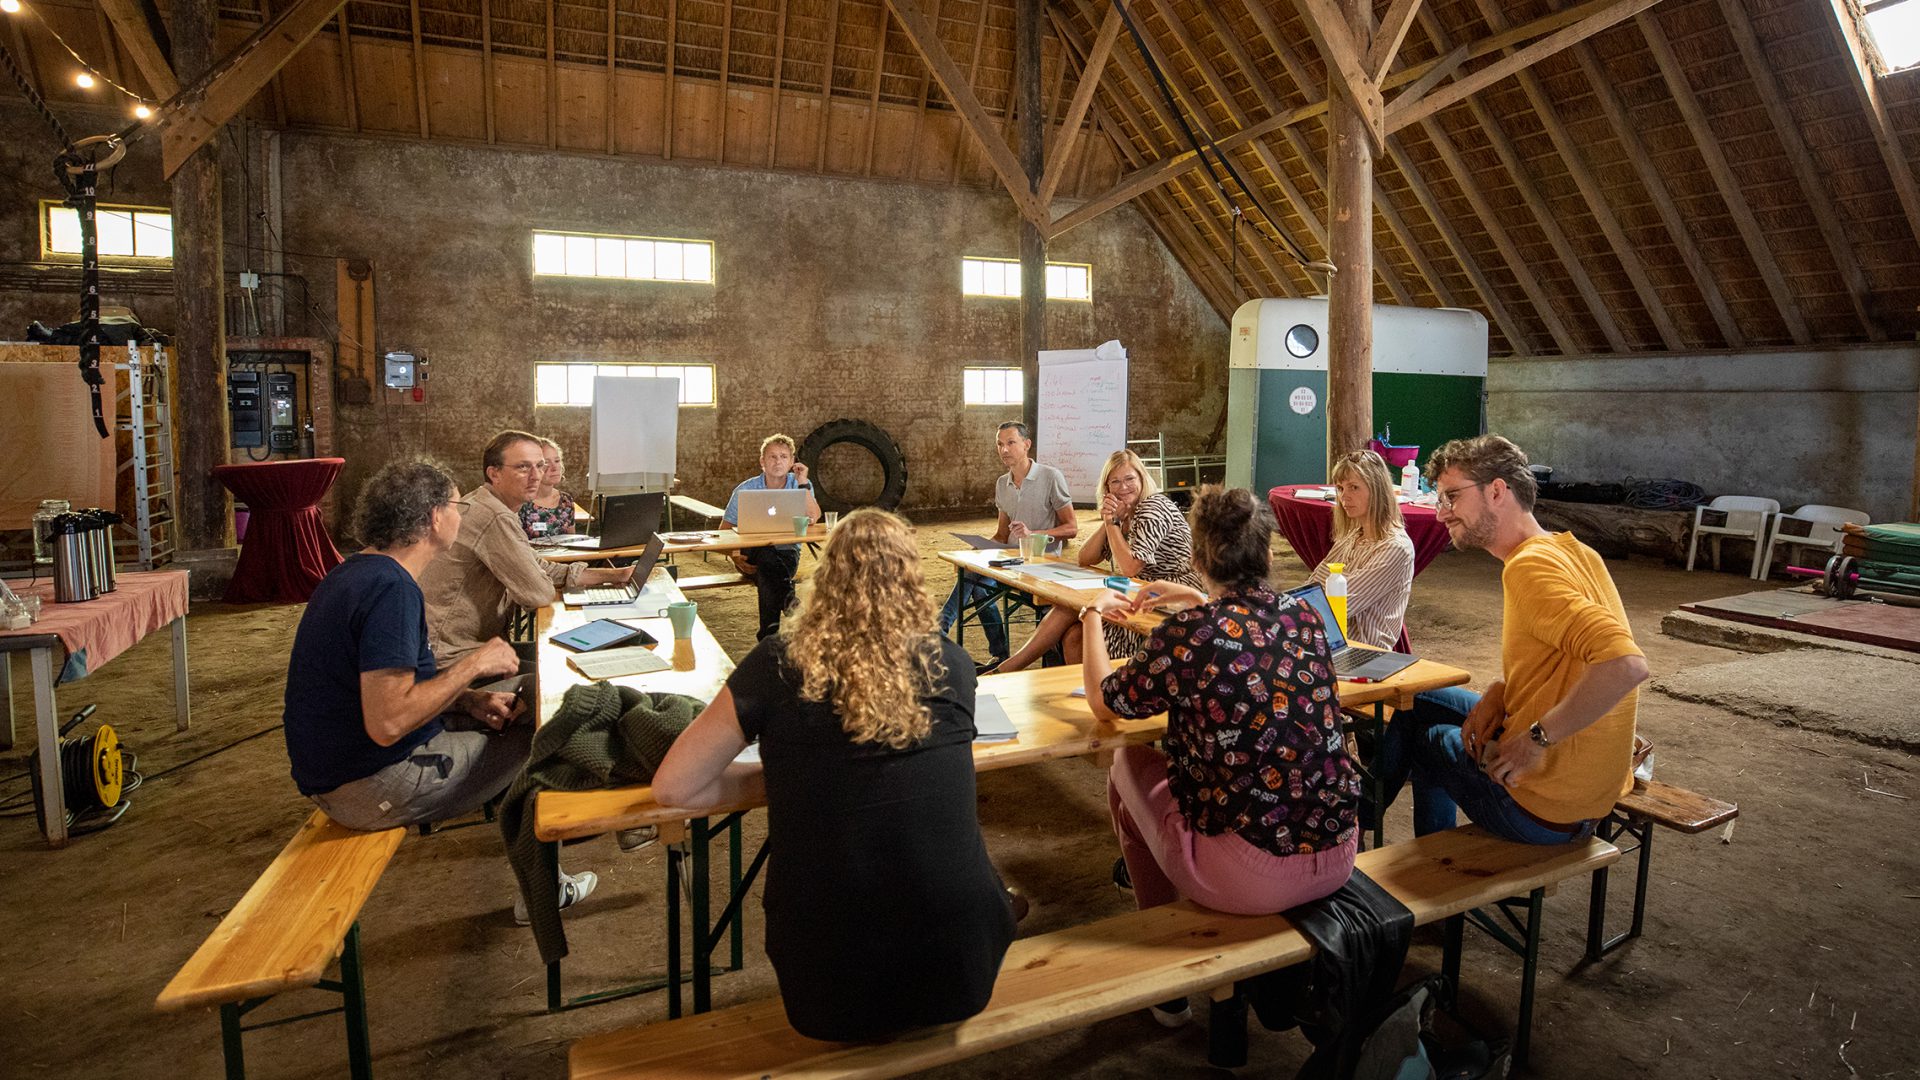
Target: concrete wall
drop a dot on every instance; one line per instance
(1831, 426)
(833, 298)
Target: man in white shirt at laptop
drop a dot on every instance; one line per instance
(1032, 499)
(772, 568)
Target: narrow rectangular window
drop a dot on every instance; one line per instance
(572, 384)
(120, 232)
(633, 258)
(991, 386)
(1001, 278)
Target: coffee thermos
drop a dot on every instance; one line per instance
(100, 548)
(67, 535)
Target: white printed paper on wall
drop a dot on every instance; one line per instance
(1082, 414)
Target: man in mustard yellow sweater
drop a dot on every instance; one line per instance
(1548, 748)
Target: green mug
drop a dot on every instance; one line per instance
(683, 614)
(801, 523)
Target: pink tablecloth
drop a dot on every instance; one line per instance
(95, 631)
(287, 550)
(1308, 526)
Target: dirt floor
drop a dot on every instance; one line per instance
(1788, 952)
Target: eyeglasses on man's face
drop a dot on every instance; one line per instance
(1446, 498)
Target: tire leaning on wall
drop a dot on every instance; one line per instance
(869, 437)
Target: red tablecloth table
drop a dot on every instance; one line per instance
(1308, 526)
(287, 550)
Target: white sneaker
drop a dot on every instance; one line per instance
(1172, 1017)
(573, 889)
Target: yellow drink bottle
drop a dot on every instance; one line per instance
(1337, 594)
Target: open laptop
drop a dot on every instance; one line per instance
(1350, 662)
(763, 512)
(630, 593)
(625, 521)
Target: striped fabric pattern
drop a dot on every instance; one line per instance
(1379, 581)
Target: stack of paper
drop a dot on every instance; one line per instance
(991, 724)
(618, 663)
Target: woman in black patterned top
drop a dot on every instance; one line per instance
(1147, 538)
(1252, 807)
(550, 512)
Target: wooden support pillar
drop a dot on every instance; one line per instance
(200, 338)
(1029, 17)
(1350, 246)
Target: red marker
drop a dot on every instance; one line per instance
(1359, 679)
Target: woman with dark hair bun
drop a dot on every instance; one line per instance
(1251, 809)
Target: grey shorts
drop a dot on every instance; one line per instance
(449, 775)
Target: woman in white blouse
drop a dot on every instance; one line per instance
(1147, 538)
(1371, 540)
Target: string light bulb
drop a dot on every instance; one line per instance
(11, 7)
(84, 80)
(142, 111)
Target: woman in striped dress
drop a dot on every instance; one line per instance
(1371, 540)
(1147, 538)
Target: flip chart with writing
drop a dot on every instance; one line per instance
(1082, 414)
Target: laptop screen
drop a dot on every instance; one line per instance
(1317, 596)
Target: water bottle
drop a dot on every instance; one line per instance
(1337, 594)
(1409, 480)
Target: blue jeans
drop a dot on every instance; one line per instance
(1424, 745)
(971, 588)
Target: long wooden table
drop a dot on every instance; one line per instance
(1045, 591)
(710, 540)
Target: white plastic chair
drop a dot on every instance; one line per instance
(1813, 525)
(1734, 515)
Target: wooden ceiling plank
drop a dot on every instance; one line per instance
(1865, 83)
(1529, 191)
(779, 70)
(349, 80)
(131, 25)
(669, 113)
(1077, 109)
(278, 83)
(873, 97)
(926, 103)
(1818, 198)
(611, 94)
(1297, 73)
(553, 87)
(1463, 255)
(420, 68)
(1388, 37)
(832, 45)
(1624, 251)
(1490, 219)
(1654, 183)
(1443, 67)
(973, 77)
(954, 84)
(1346, 59)
(1695, 117)
(726, 74)
(486, 64)
(1461, 89)
(197, 113)
(104, 30)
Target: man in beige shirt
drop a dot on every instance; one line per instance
(491, 569)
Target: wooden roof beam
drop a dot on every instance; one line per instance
(129, 21)
(1346, 56)
(1082, 101)
(1695, 117)
(198, 112)
(1529, 192)
(1297, 72)
(1867, 85)
(1590, 192)
(1463, 255)
(953, 83)
(1787, 127)
(1655, 185)
(832, 45)
(1405, 112)
(1388, 37)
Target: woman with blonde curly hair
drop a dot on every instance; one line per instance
(883, 913)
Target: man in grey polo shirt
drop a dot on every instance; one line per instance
(1032, 499)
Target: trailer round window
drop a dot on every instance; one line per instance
(1302, 340)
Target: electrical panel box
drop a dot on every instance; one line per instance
(282, 434)
(244, 412)
(402, 371)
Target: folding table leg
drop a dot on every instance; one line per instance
(230, 1042)
(702, 950)
(47, 724)
(182, 712)
(1530, 968)
(354, 1003)
(675, 853)
(6, 699)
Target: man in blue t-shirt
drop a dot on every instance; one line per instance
(378, 735)
(772, 568)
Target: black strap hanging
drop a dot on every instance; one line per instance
(80, 173)
(1210, 151)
